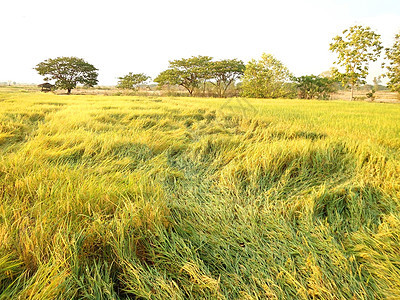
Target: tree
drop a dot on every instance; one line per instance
(314, 87)
(186, 72)
(355, 51)
(266, 78)
(132, 81)
(224, 73)
(377, 81)
(393, 56)
(68, 72)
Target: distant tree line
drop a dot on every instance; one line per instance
(194, 73)
(267, 77)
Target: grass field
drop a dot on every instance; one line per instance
(108, 197)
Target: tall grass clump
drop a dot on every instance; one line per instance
(132, 197)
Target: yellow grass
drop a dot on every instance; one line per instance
(106, 197)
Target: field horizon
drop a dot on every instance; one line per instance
(133, 197)
(360, 94)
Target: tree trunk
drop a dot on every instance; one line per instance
(69, 91)
(226, 88)
(188, 89)
(352, 92)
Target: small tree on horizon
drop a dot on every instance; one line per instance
(355, 51)
(132, 81)
(314, 87)
(68, 72)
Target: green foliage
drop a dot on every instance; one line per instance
(132, 81)
(186, 72)
(200, 71)
(314, 87)
(371, 94)
(355, 51)
(225, 72)
(68, 72)
(266, 78)
(393, 56)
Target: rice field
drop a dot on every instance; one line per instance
(107, 197)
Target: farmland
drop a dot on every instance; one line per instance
(127, 197)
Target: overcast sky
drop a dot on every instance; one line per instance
(122, 36)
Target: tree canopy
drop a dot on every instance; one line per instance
(266, 78)
(132, 81)
(68, 72)
(225, 72)
(356, 49)
(393, 56)
(314, 87)
(186, 72)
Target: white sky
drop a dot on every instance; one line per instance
(122, 36)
